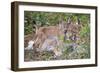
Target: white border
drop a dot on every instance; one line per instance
(33, 64)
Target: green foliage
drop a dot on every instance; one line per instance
(85, 31)
(50, 18)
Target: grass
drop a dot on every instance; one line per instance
(82, 51)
